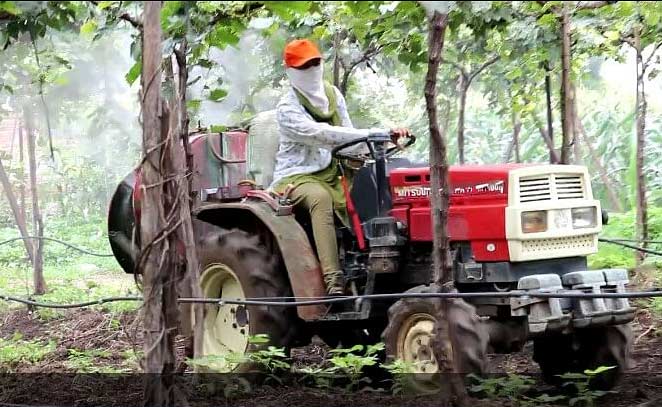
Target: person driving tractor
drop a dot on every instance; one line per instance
(312, 119)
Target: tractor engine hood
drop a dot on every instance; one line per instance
(487, 202)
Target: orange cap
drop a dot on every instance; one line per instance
(298, 52)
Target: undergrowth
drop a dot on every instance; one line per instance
(17, 351)
(70, 275)
(622, 225)
(345, 371)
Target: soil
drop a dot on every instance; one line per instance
(89, 329)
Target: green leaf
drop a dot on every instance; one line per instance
(573, 376)
(599, 370)
(479, 6)
(104, 4)
(134, 72)
(61, 80)
(8, 88)
(260, 338)
(319, 32)
(217, 128)
(355, 348)
(287, 9)
(88, 28)
(206, 63)
(222, 36)
(10, 7)
(170, 8)
(612, 35)
(372, 349)
(652, 18)
(63, 61)
(217, 94)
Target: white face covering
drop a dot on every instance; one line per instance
(310, 83)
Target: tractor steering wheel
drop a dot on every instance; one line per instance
(376, 143)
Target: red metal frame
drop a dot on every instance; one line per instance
(478, 199)
(354, 216)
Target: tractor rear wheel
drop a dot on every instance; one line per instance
(236, 265)
(589, 348)
(410, 337)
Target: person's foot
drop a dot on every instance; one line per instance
(335, 284)
(335, 290)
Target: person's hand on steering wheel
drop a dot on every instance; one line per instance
(377, 138)
(398, 133)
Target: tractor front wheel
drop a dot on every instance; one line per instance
(588, 348)
(410, 338)
(236, 265)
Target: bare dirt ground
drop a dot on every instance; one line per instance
(117, 336)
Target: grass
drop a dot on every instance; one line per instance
(70, 276)
(647, 275)
(16, 351)
(622, 225)
(98, 361)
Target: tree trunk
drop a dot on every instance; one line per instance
(641, 107)
(576, 145)
(545, 137)
(156, 261)
(567, 123)
(344, 82)
(193, 314)
(37, 223)
(439, 195)
(19, 218)
(438, 158)
(21, 187)
(509, 151)
(336, 59)
(595, 161)
(517, 127)
(553, 158)
(464, 88)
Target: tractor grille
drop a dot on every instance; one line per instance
(535, 189)
(550, 187)
(557, 245)
(569, 187)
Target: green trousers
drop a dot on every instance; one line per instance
(317, 200)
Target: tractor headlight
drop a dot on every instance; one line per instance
(584, 217)
(534, 221)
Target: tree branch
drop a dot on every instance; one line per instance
(225, 14)
(587, 5)
(627, 40)
(482, 67)
(370, 52)
(650, 57)
(131, 20)
(135, 22)
(592, 5)
(456, 66)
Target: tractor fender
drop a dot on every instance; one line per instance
(303, 269)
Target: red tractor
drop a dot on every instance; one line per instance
(513, 227)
